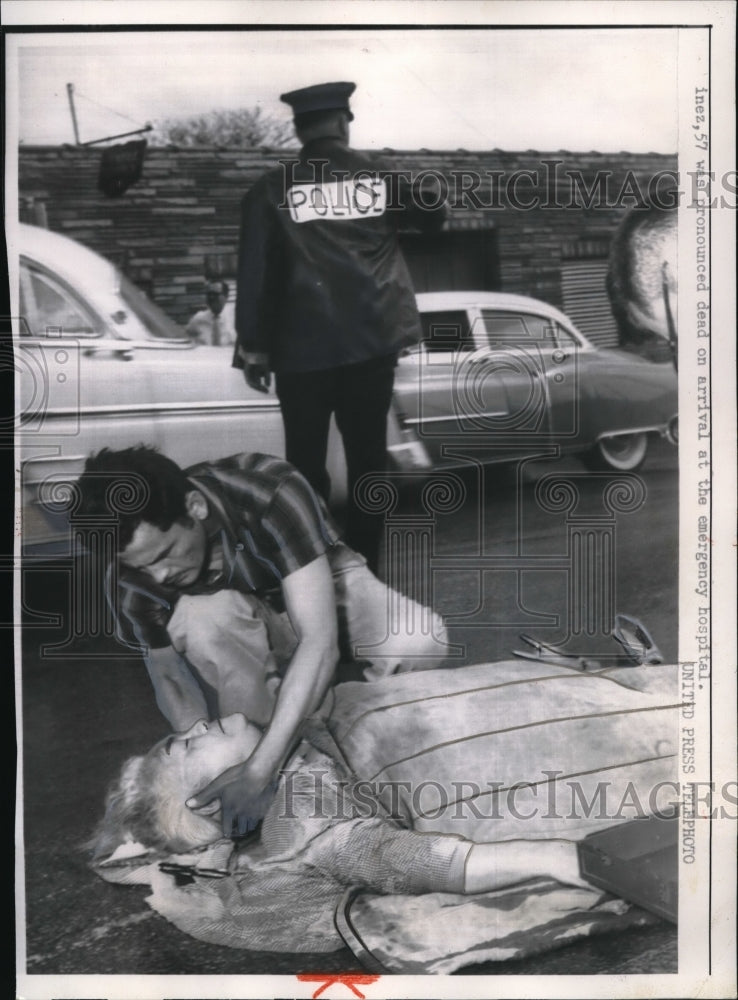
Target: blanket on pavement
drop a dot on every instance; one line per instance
(472, 735)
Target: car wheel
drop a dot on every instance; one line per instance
(621, 453)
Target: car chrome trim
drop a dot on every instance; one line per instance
(54, 458)
(123, 346)
(154, 409)
(99, 343)
(654, 428)
(457, 416)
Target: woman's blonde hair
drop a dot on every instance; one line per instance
(144, 806)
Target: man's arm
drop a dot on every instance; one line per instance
(255, 368)
(310, 602)
(421, 201)
(258, 281)
(142, 609)
(311, 605)
(178, 695)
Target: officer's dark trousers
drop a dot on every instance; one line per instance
(359, 395)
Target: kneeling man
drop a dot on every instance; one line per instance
(232, 578)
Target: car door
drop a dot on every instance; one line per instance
(428, 406)
(537, 361)
(197, 406)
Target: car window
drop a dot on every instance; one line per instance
(49, 307)
(516, 329)
(446, 331)
(564, 338)
(151, 316)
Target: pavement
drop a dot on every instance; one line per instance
(86, 707)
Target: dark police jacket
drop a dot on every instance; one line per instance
(321, 279)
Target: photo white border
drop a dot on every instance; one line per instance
(707, 905)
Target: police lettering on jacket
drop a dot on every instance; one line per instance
(355, 197)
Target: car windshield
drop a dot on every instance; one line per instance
(151, 316)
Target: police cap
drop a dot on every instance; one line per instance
(321, 97)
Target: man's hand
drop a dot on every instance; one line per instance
(246, 790)
(257, 376)
(244, 799)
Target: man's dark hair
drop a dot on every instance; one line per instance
(133, 485)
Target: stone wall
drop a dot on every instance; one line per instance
(181, 218)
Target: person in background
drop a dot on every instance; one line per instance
(216, 324)
(324, 296)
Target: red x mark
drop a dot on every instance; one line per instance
(350, 979)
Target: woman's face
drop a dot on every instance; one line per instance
(191, 760)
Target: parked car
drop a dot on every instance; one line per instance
(497, 377)
(510, 376)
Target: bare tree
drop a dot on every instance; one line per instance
(243, 128)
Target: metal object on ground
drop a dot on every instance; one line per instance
(636, 640)
(545, 653)
(631, 633)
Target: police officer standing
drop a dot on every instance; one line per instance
(324, 297)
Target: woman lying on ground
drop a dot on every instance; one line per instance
(469, 788)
